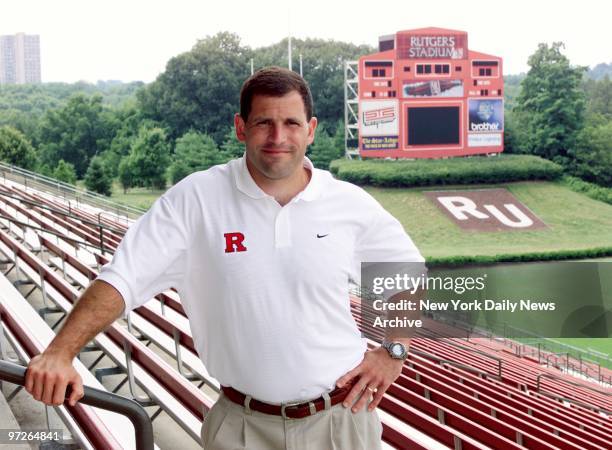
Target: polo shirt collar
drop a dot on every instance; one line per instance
(246, 184)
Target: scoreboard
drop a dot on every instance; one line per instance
(424, 94)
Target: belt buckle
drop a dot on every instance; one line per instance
(284, 407)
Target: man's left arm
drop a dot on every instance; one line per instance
(384, 240)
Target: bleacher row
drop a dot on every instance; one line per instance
(452, 393)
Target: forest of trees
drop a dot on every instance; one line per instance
(563, 113)
(148, 135)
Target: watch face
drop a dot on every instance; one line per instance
(396, 349)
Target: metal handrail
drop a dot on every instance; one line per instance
(480, 352)
(567, 355)
(573, 383)
(571, 400)
(454, 363)
(63, 213)
(541, 350)
(60, 235)
(15, 374)
(62, 189)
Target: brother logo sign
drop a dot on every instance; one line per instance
(486, 115)
(485, 210)
(484, 126)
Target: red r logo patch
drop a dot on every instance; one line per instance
(233, 242)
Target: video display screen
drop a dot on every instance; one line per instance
(431, 126)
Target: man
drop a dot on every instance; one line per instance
(260, 250)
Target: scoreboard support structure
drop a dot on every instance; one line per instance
(351, 109)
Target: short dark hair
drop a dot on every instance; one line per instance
(274, 82)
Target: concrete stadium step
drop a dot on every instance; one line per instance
(8, 422)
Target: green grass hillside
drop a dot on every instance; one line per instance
(575, 222)
(138, 197)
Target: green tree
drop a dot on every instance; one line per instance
(512, 135)
(16, 149)
(231, 146)
(126, 174)
(339, 138)
(199, 89)
(76, 132)
(45, 170)
(599, 97)
(324, 150)
(322, 67)
(149, 158)
(65, 172)
(593, 155)
(23, 121)
(512, 88)
(97, 178)
(130, 119)
(551, 104)
(193, 152)
(178, 170)
(24, 106)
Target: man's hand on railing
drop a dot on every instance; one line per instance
(47, 377)
(14, 373)
(50, 373)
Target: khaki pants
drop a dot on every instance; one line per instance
(229, 426)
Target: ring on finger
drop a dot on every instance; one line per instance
(371, 389)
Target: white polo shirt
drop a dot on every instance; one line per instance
(265, 287)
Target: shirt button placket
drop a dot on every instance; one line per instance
(282, 228)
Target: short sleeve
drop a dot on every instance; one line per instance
(385, 249)
(385, 240)
(150, 259)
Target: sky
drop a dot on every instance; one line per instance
(132, 40)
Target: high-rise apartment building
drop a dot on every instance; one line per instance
(19, 59)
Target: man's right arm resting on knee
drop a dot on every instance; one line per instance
(49, 373)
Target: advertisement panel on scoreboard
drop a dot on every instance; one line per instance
(432, 88)
(485, 115)
(379, 117)
(379, 142)
(484, 139)
(379, 124)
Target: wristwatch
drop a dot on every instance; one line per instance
(396, 350)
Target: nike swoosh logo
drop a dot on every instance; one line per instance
(322, 235)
